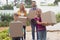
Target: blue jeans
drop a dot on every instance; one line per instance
(42, 35)
(33, 31)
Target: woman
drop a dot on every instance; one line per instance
(41, 28)
(22, 12)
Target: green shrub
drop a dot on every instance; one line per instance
(48, 5)
(5, 20)
(6, 7)
(4, 24)
(28, 23)
(51, 4)
(7, 38)
(28, 6)
(0, 8)
(58, 17)
(28, 2)
(6, 17)
(4, 35)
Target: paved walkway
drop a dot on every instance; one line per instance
(50, 36)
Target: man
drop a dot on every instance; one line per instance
(33, 10)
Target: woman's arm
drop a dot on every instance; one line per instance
(43, 23)
(25, 14)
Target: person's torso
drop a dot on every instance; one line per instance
(40, 26)
(33, 12)
(21, 13)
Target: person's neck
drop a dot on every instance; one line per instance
(33, 7)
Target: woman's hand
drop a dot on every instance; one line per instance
(44, 23)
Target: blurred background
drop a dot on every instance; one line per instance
(8, 7)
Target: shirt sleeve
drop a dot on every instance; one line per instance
(36, 19)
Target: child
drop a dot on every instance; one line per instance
(41, 28)
(15, 16)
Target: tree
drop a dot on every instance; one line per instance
(28, 2)
(56, 2)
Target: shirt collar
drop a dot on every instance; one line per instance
(34, 8)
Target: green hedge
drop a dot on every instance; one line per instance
(4, 35)
(4, 24)
(6, 17)
(6, 7)
(58, 17)
(26, 6)
(5, 20)
(48, 5)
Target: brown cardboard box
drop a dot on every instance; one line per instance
(23, 19)
(16, 29)
(32, 14)
(49, 17)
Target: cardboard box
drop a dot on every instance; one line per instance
(49, 17)
(16, 29)
(32, 14)
(23, 20)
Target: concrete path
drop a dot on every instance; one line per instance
(50, 36)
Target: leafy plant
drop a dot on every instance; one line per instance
(28, 2)
(56, 2)
(51, 4)
(58, 17)
(5, 20)
(4, 35)
(6, 7)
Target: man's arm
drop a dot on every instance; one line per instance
(28, 15)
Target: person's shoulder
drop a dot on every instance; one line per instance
(30, 9)
(36, 18)
(38, 9)
(18, 10)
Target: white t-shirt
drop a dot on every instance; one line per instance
(22, 14)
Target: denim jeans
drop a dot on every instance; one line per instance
(33, 31)
(17, 38)
(42, 35)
